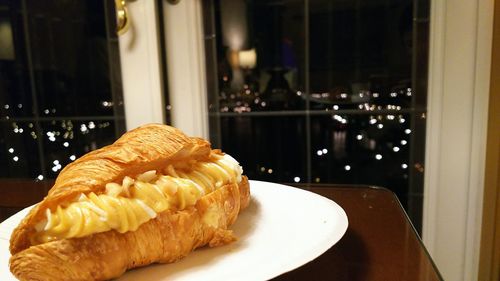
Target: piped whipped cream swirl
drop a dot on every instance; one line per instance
(127, 205)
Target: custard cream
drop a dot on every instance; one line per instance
(124, 207)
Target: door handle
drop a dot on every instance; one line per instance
(122, 17)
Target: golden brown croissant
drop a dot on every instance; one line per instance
(152, 196)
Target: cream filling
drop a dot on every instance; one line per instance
(126, 206)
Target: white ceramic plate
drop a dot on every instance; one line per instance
(282, 229)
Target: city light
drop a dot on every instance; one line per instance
(378, 156)
(296, 179)
(339, 118)
(57, 166)
(347, 167)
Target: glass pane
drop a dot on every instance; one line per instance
(357, 71)
(359, 49)
(268, 148)
(19, 154)
(60, 88)
(66, 140)
(417, 169)
(260, 55)
(362, 149)
(15, 92)
(70, 51)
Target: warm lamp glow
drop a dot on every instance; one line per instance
(234, 24)
(6, 41)
(247, 59)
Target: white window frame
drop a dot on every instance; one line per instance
(140, 54)
(185, 53)
(141, 66)
(459, 72)
(459, 78)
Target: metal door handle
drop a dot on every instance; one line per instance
(122, 18)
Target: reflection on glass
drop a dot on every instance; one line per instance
(271, 148)
(66, 140)
(361, 46)
(351, 74)
(362, 149)
(19, 155)
(6, 40)
(259, 55)
(60, 84)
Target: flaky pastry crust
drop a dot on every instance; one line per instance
(166, 238)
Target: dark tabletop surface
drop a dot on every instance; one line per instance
(380, 242)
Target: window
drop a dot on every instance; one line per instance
(60, 85)
(321, 91)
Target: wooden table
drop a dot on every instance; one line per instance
(380, 242)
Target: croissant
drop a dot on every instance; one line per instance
(153, 196)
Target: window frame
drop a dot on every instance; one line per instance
(458, 89)
(140, 57)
